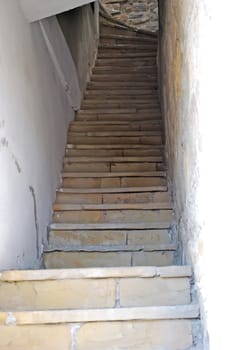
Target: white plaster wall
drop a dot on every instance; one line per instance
(35, 10)
(34, 114)
(197, 58)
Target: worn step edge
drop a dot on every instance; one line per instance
(112, 248)
(113, 146)
(111, 226)
(96, 315)
(114, 189)
(117, 174)
(105, 272)
(111, 206)
(88, 159)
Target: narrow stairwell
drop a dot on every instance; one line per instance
(111, 277)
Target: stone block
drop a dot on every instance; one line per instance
(36, 337)
(60, 294)
(154, 291)
(140, 335)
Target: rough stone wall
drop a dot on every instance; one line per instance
(196, 62)
(140, 14)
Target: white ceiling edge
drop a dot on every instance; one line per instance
(35, 10)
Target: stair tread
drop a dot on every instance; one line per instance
(114, 159)
(98, 272)
(106, 226)
(110, 206)
(113, 189)
(95, 315)
(112, 248)
(114, 174)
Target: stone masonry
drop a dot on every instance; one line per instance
(140, 14)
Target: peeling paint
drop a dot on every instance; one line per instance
(38, 245)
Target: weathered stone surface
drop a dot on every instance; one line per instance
(77, 260)
(57, 294)
(128, 11)
(140, 335)
(154, 291)
(35, 337)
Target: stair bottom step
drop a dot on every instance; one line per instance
(63, 259)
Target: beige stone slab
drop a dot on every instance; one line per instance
(78, 198)
(38, 337)
(97, 159)
(108, 272)
(98, 152)
(143, 181)
(60, 260)
(153, 258)
(114, 132)
(96, 315)
(111, 206)
(142, 197)
(110, 226)
(60, 294)
(114, 189)
(120, 174)
(148, 237)
(113, 216)
(91, 182)
(121, 167)
(86, 238)
(111, 146)
(71, 274)
(154, 291)
(140, 335)
(87, 167)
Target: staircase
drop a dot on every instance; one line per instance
(111, 277)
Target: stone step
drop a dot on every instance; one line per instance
(110, 206)
(127, 334)
(139, 99)
(122, 38)
(137, 117)
(113, 167)
(113, 216)
(123, 147)
(127, 47)
(117, 123)
(113, 152)
(113, 159)
(93, 293)
(119, 140)
(123, 77)
(133, 113)
(78, 238)
(97, 105)
(59, 259)
(106, 29)
(159, 198)
(114, 127)
(148, 174)
(119, 92)
(95, 315)
(125, 62)
(111, 54)
(116, 190)
(121, 133)
(121, 70)
(125, 85)
(76, 180)
(110, 226)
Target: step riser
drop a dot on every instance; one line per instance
(110, 198)
(127, 86)
(112, 216)
(115, 128)
(113, 167)
(92, 336)
(95, 294)
(113, 153)
(114, 259)
(62, 239)
(113, 182)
